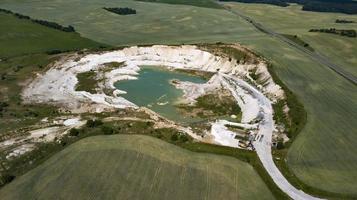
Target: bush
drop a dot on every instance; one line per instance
(107, 130)
(280, 144)
(94, 123)
(174, 137)
(6, 178)
(53, 52)
(181, 138)
(74, 132)
(3, 105)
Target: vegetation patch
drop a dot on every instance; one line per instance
(239, 53)
(294, 120)
(217, 104)
(87, 82)
(342, 32)
(41, 22)
(199, 3)
(204, 74)
(111, 66)
(298, 41)
(344, 21)
(339, 6)
(121, 11)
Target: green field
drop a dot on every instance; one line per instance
(324, 154)
(20, 36)
(153, 23)
(292, 20)
(136, 167)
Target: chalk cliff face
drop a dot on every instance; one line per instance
(57, 85)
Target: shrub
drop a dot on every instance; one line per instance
(6, 178)
(107, 130)
(183, 138)
(280, 144)
(53, 52)
(94, 123)
(174, 137)
(74, 132)
(3, 105)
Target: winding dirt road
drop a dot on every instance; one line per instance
(263, 140)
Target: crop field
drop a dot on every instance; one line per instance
(153, 23)
(324, 154)
(20, 36)
(136, 167)
(292, 20)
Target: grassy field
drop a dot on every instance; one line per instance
(136, 167)
(292, 20)
(323, 155)
(20, 36)
(324, 151)
(153, 23)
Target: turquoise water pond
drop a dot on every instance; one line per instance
(152, 89)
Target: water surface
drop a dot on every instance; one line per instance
(153, 90)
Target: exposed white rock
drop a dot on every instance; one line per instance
(57, 85)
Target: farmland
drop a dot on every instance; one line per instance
(99, 168)
(153, 23)
(323, 152)
(292, 20)
(20, 64)
(24, 37)
(323, 155)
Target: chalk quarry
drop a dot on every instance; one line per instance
(255, 96)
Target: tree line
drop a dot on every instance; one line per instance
(347, 33)
(339, 6)
(344, 21)
(41, 22)
(121, 11)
